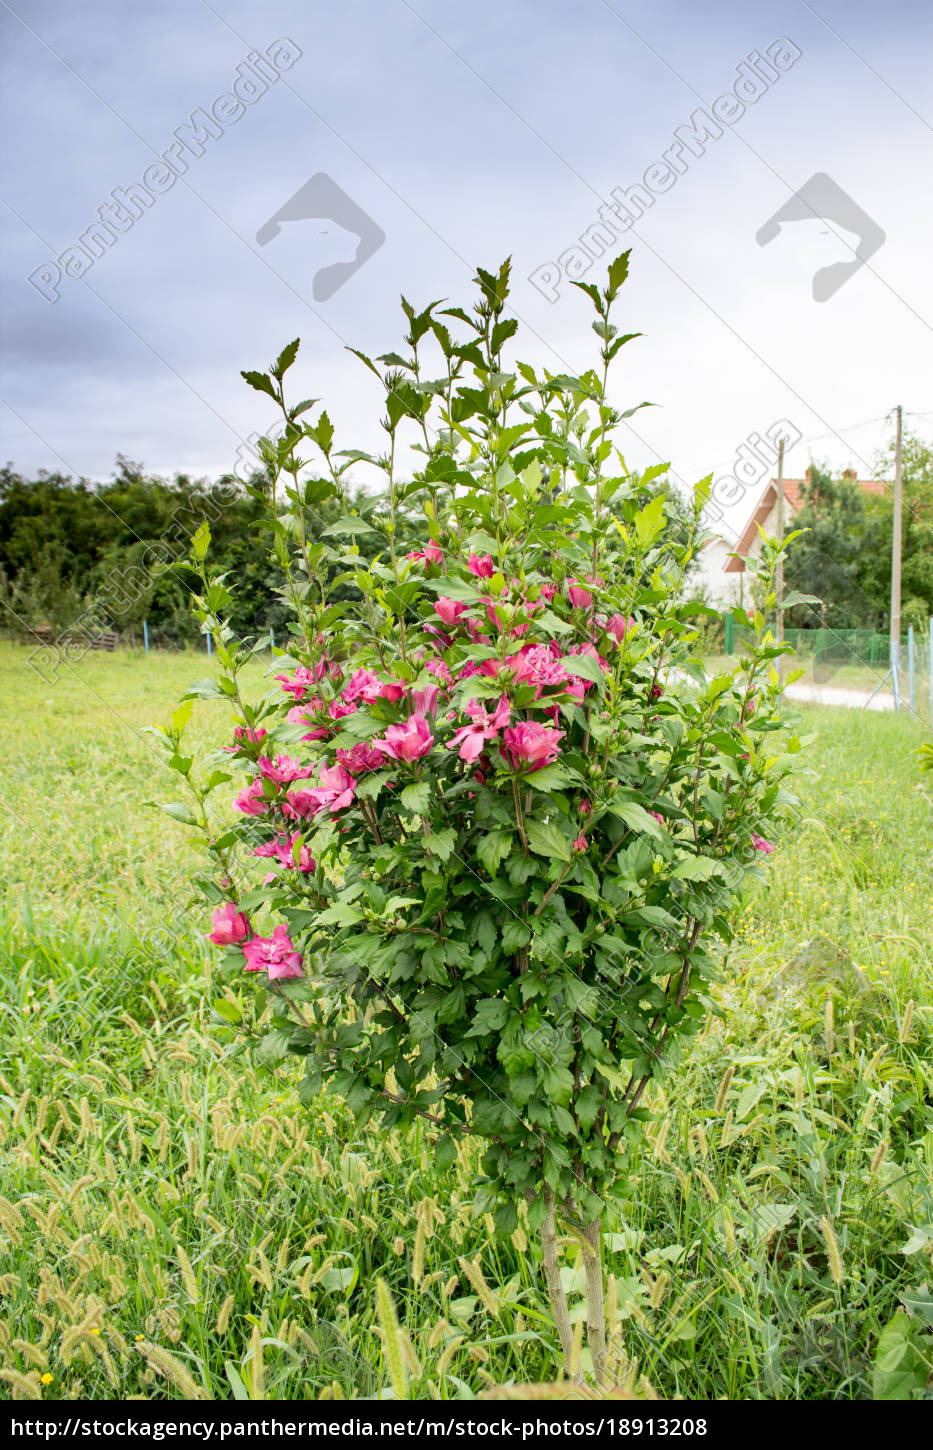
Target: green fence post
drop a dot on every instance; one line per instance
(729, 632)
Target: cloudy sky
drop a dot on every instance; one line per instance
(444, 135)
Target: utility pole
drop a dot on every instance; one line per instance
(779, 576)
(896, 553)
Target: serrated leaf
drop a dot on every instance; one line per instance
(493, 849)
(698, 868)
(546, 840)
(417, 797)
(637, 818)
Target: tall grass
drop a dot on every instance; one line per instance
(175, 1222)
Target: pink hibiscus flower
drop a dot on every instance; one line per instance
(230, 925)
(531, 745)
(363, 685)
(449, 610)
(301, 681)
(579, 597)
(252, 801)
(431, 554)
(472, 738)
(406, 742)
(360, 759)
(482, 565)
(285, 770)
(334, 791)
(275, 955)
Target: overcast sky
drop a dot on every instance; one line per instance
(461, 133)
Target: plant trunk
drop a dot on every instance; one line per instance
(591, 1240)
(555, 1288)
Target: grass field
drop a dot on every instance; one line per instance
(175, 1222)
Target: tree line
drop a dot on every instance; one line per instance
(71, 550)
(96, 556)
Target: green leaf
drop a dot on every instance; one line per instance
(515, 935)
(549, 777)
(920, 1302)
(201, 540)
(586, 667)
(417, 797)
(650, 521)
(618, 271)
(342, 913)
(547, 840)
(493, 849)
(261, 382)
(637, 818)
(285, 359)
(901, 1368)
(489, 1015)
(228, 1011)
(176, 809)
(182, 715)
(698, 868)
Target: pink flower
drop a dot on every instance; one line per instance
(392, 690)
(656, 692)
(285, 770)
(584, 808)
(440, 670)
(528, 744)
(406, 742)
(363, 685)
(275, 955)
(535, 665)
(475, 630)
(472, 738)
(425, 699)
(548, 591)
(658, 817)
(334, 791)
(431, 554)
(338, 708)
(580, 844)
(482, 565)
(760, 844)
(252, 801)
(360, 759)
(230, 926)
(243, 736)
(579, 597)
(301, 681)
(449, 610)
(300, 804)
(299, 715)
(284, 851)
(617, 624)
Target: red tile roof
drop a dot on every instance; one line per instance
(793, 497)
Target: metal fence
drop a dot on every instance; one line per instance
(858, 658)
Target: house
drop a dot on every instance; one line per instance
(723, 559)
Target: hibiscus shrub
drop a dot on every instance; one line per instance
(500, 812)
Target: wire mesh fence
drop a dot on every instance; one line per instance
(859, 661)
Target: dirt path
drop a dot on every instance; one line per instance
(838, 695)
